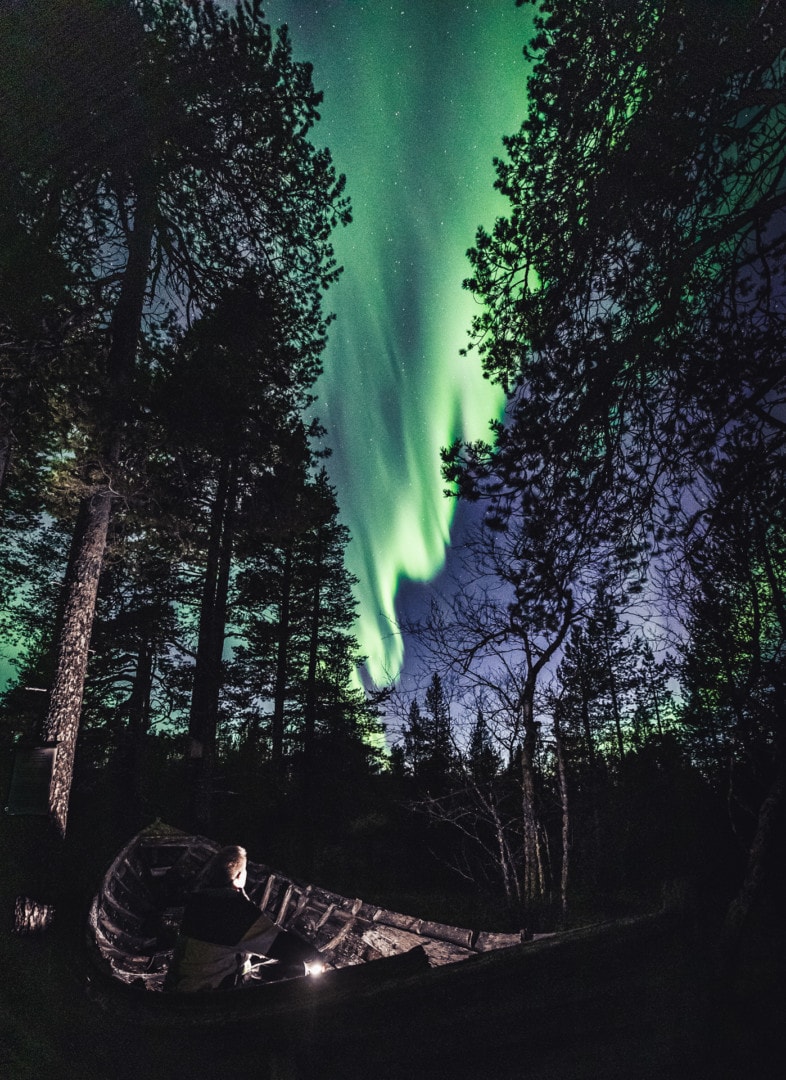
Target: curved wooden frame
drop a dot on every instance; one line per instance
(135, 916)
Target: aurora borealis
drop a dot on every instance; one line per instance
(417, 99)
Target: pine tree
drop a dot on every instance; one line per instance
(630, 305)
(149, 213)
(415, 748)
(482, 759)
(295, 612)
(440, 759)
(428, 740)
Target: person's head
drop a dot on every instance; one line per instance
(228, 867)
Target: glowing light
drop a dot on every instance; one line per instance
(416, 104)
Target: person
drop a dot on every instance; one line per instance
(226, 941)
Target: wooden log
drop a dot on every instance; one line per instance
(31, 916)
(456, 935)
(390, 941)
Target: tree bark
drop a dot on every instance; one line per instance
(766, 847)
(280, 688)
(133, 747)
(562, 783)
(310, 704)
(507, 866)
(206, 692)
(615, 705)
(65, 701)
(533, 875)
(92, 527)
(5, 451)
(589, 738)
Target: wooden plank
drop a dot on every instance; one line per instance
(284, 905)
(444, 952)
(31, 779)
(269, 884)
(487, 942)
(455, 935)
(305, 896)
(123, 916)
(397, 920)
(327, 914)
(132, 942)
(334, 943)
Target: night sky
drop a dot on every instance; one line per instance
(417, 98)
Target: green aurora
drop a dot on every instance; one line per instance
(417, 99)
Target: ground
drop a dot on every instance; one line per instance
(633, 1000)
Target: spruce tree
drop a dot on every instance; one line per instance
(161, 188)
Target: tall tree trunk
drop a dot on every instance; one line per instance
(586, 724)
(5, 451)
(615, 705)
(504, 855)
(282, 651)
(592, 815)
(88, 547)
(533, 875)
(206, 692)
(310, 704)
(308, 806)
(132, 760)
(763, 869)
(43, 863)
(562, 783)
(65, 701)
(534, 881)
(89, 542)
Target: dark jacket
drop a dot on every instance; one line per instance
(221, 930)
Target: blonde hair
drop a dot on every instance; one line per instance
(225, 865)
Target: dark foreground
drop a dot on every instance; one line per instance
(633, 1000)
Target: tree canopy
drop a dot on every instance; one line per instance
(632, 306)
(157, 170)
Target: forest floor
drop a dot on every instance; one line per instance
(633, 1000)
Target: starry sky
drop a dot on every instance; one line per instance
(418, 95)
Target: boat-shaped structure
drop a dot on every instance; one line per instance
(619, 999)
(136, 913)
